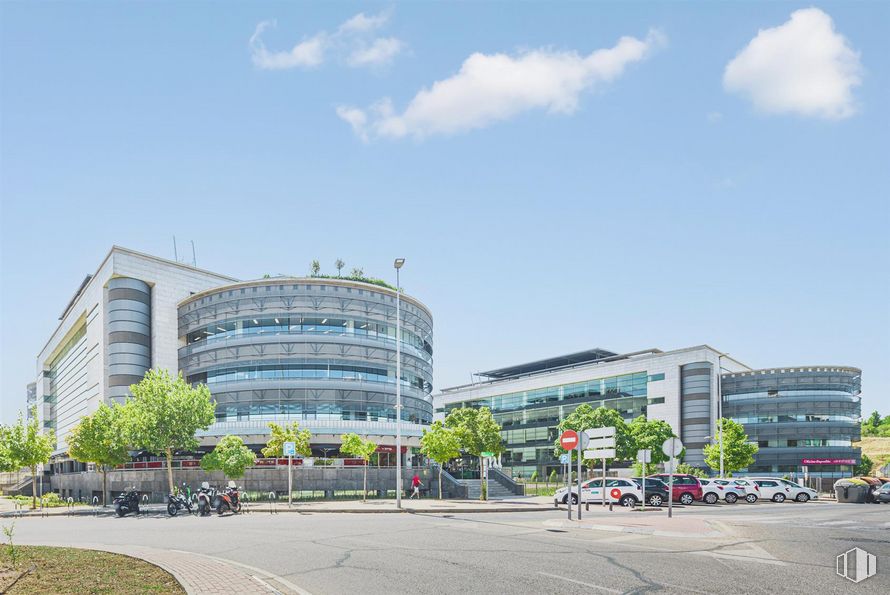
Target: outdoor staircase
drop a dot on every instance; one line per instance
(495, 490)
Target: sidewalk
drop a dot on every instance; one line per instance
(423, 506)
(199, 574)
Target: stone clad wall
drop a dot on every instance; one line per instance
(322, 479)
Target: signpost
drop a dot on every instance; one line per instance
(290, 449)
(568, 471)
(603, 448)
(672, 447)
(644, 456)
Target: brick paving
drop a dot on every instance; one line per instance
(198, 575)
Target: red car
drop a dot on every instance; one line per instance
(687, 488)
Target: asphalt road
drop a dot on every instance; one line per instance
(764, 548)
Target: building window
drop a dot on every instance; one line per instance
(656, 377)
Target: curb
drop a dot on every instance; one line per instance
(303, 510)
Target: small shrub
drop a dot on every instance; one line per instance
(10, 546)
(534, 476)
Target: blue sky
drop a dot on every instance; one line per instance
(547, 199)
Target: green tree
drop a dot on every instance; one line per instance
(650, 434)
(354, 445)
(687, 469)
(7, 463)
(357, 272)
(477, 432)
(552, 478)
(230, 456)
(441, 444)
(27, 446)
(864, 467)
(738, 452)
(287, 433)
(165, 413)
(339, 264)
(585, 417)
(100, 438)
(314, 268)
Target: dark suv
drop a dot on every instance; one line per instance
(656, 490)
(687, 488)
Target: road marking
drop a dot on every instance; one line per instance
(582, 583)
(748, 553)
(263, 573)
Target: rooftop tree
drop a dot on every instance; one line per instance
(339, 264)
(354, 445)
(165, 413)
(99, 438)
(441, 444)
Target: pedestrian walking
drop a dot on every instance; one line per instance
(415, 484)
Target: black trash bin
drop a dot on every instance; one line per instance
(847, 491)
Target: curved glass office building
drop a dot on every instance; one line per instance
(802, 418)
(318, 351)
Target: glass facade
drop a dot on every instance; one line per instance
(309, 350)
(529, 418)
(796, 414)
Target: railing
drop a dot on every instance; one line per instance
(451, 487)
(506, 481)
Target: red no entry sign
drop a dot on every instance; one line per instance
(569, 439)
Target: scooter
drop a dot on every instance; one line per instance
(205, 496)
(126, 502)
(181, 499)
(228, 500)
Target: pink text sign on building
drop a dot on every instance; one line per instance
(828, 461)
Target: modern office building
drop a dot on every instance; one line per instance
(529, 400)
(804, 419)
(314, 350)
(799, 417)
(318, 351)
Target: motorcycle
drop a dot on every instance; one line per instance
(179, 500)
(205, 496)
(228, 500)
(126, 502)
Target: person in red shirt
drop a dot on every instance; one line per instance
(415, 484)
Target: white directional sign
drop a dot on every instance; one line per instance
(600, 432)
(644, 455)
(603, 453)
(672, 447)
(602, 443)
(290, 449)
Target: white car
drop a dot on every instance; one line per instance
(779, 490)
(752, 490)
(721, 489)
(623, 491)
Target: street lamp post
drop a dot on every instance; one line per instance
(398, 265)
(720, 407)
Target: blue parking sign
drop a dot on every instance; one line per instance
(564, 458)
(290, 449)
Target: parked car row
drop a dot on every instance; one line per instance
(686, 490)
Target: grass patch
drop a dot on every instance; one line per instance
(72, 570)
(877, 449)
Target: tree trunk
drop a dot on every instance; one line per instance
(365, 483)
(169, 454)
(104, 486)
(440, 482)
(33, 486)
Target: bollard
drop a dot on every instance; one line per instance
(587, 505)
(69, 504)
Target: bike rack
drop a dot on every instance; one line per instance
(245, 500)
(273, 500)
(95, 505)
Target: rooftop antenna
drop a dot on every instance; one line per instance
(175, 252)
(194, 260)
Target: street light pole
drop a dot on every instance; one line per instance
(398, 265)
(720, 408)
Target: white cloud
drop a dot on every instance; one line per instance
(356, 118)
(381, 51)
(802, 66)
(350, 40)
(361, 23)
(306, 54)
(495, 87)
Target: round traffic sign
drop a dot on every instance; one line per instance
(569, 439)
(672, 447)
